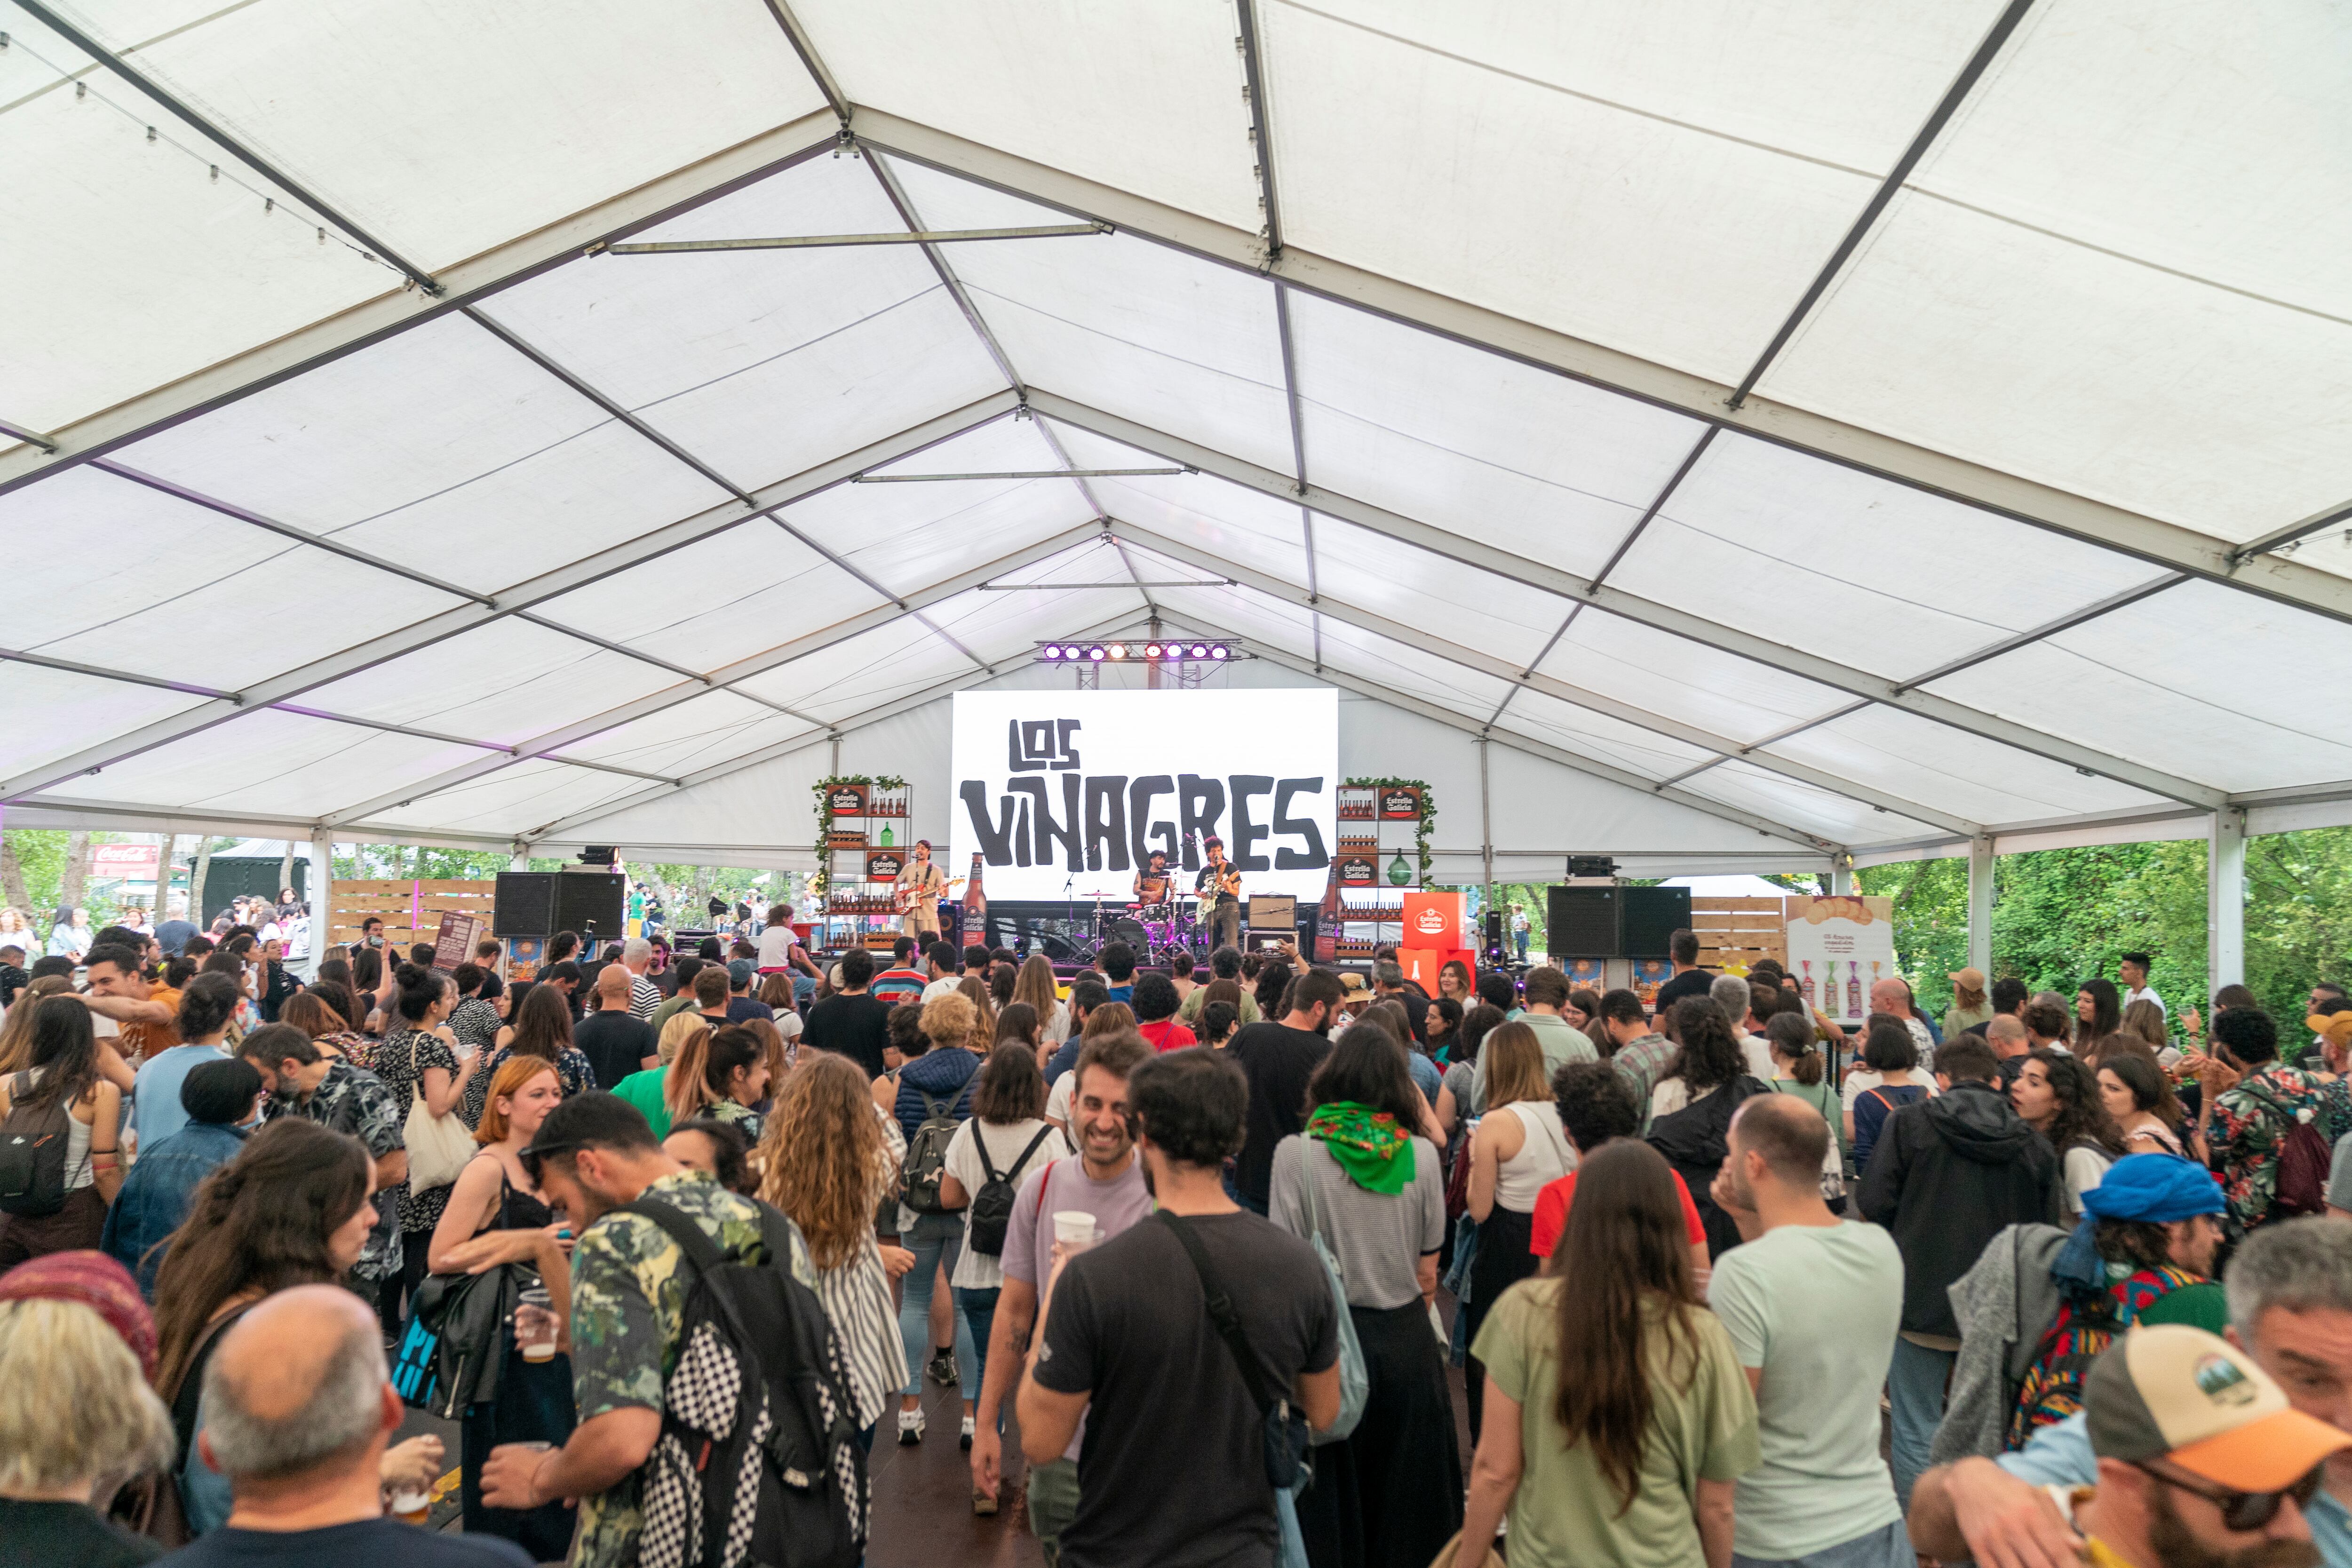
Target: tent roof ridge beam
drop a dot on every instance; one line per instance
(2278, 538)
(784, 748)
(100, 672)
(612, 408)
(1663, 617)
(536, 590)
(718, 680)
(1017, 474)
(1253, 52)
(284, 529)
(2012, 495)
(1949, 105)
(805, 48)
(320, 211)
(31, 437)
(1798, 837)
(1593, 701)
(2050, 628)
(823, 241)
(504, 265)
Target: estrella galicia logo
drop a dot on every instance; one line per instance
(1037, 745)
(846, 800)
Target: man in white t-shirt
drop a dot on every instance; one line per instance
(2131, 972)
(939, 966)
(1812, 1305)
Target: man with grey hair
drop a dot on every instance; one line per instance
(2009, 1041)
(296, 1412)
(1734, 996)
(644, 996)
(2290, 1290)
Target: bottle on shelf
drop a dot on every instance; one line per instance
(1854, 989)
(888, 841)
(1805, 985)
(975, 898)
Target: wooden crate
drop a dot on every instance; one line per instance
(1736, 934)
(410, 910)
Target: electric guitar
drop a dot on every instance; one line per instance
(909, 895)
(1228, 880)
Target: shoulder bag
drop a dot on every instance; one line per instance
(1283, 1436)
(438, 1146)
(1355, 1382)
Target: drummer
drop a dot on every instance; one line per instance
(1152, 882)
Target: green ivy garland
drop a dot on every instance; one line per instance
(1428, 822)
(823, 881)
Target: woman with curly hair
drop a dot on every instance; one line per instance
(2059, 1098)
(827, 1164)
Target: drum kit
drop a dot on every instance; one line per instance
(1154, 931)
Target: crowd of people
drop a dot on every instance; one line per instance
(673, 1240)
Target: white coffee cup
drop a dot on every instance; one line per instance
(1074, 1228)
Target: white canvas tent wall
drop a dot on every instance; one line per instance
(1887, 429)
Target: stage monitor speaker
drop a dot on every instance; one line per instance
(1493, 927)
(1584, 923)
(524, 904)
(1273, 911)
(591, 902)
(1653, 915)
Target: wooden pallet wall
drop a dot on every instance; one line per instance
(1735, 934)
(411, 911)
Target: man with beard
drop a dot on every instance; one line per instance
(2290, 1293)
(2202, 1462)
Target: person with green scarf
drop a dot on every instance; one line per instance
(1364, 1180)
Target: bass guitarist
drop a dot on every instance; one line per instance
(1219, 886)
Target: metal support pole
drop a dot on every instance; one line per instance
(521, 861)
(1151, 666)
(1841, 876)
(2225, 898)
(322, 885)
(1980, 904)
(1486, 826)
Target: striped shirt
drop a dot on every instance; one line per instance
(644, 997)
(856, 1298)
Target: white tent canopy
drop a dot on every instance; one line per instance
(1778, 431)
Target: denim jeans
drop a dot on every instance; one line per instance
(935, 1239)
(1915, 1391)
(979, 1310)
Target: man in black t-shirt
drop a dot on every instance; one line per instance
(1689, 979)
(1278, 1057)
(1219, 888)
(1129, 1345)
(615, 1041)
(853, 1021)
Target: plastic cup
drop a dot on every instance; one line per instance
(535, 1324)
(411, 1506)
(1075, 1229)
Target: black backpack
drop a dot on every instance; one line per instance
(757, 1461)
(927, 1154)
(33, 1143)
(992, 1206)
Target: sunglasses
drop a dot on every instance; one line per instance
(2242, 1511)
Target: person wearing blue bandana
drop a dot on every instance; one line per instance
(2289, 1290)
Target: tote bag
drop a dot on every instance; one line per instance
(1355, 1382)
(438, 1146)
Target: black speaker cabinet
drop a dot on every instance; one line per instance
(591, 902)
(1651, 916)
(1585, 922)
(524, 904)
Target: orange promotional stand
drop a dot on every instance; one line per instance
(1437, 930)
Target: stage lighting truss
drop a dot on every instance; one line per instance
(1175, 651)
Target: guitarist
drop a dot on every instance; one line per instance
(920, 887)
(1219, 888)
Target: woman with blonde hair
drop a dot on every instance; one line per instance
(1035, 986)
(827, 1164)
(1517, 1147)
(74, 1408)
(2144, 1020)
(648, 1090)
(974, 990)
(497, 1215)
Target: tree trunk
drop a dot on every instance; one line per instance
(170, 856)
(77, 876)
(12, 882)
(285, 871)
(196, 881)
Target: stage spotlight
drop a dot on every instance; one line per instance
(1119, 650)
(1151, 650)
(1095, 652)
(1049, 651)
(1200, 650)
(1218, 651)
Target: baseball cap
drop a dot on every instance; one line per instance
(2169, 1392)
(740, 972)
(1970, 979)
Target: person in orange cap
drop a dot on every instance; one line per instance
(2202, 1462)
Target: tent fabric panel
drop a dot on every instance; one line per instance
(1935, 765)
(271, 762)
(720, 599)
(1677, 678)
(95, 320)
(1575, 728)
(374, 105)
(698, 733)
(1658, 239)
(1853, 567)
(506, 681)
(1538, 806)
(2209, 683)
(1834, 817)
(1474, 443)
(1462, 603)
(511, 801)
(1147, 99)
(45, 714)
(440, 447)
(2097, 375)
(1252, 529)
(1171, 341)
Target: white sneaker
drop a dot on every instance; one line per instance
(910, 1428)
(965, 1441)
